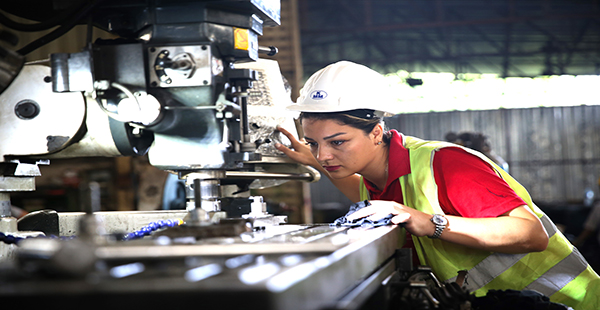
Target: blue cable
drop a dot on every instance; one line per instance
(8, 239)
(153, 226)
(142, 232)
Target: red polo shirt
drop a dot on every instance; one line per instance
(467, 186)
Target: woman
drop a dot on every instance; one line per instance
(462, 211)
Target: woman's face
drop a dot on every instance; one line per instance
(341, 149)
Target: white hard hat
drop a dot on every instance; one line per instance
(345, 86)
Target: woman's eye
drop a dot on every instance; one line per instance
(311, 144)
(338, 142)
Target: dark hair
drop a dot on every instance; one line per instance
(345, 118)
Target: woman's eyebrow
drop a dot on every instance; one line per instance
(326, 138)
(334, 135)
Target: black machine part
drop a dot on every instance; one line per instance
(128, 18)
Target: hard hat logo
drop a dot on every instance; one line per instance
(318, 95)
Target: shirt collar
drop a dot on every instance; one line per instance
(398, 158)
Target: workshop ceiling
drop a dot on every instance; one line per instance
(507, 37)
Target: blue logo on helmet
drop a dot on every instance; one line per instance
(318, 95)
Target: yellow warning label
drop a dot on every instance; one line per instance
(240, 36)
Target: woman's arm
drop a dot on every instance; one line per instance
(516, 231)
(300, 153)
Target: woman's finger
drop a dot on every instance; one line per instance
(378, 216)
(286, 133)
(401, 218)
(287, 151)
(364, 212)
(377, 210)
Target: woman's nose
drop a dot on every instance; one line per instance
(323, 154)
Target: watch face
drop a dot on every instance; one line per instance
(439, 220)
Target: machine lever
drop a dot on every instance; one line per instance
(269, 50)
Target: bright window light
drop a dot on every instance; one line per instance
(449, 92)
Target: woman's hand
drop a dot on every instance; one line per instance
(300, 152)
(416, 222)
(516, 231)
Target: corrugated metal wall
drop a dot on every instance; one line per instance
(554, 152)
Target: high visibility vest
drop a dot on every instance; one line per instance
(559, 272)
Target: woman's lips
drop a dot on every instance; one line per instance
(331, 168)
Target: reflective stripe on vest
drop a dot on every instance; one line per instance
(497, 263)
(560, 275)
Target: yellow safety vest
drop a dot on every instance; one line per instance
(559, 272)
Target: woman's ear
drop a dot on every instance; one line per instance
(377, 132)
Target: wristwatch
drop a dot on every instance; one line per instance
(440, 223)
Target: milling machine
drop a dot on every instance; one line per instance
(183, 83)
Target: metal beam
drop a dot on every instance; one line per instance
(446, 24)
